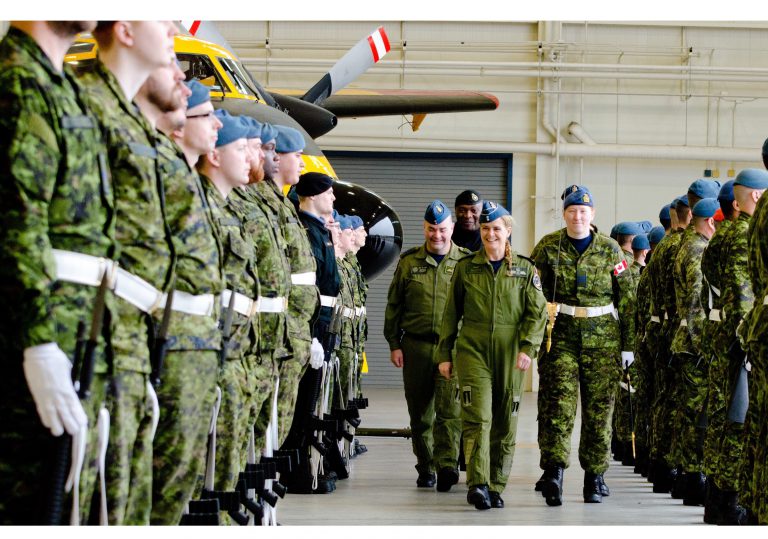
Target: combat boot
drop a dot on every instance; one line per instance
(592, 488)
(446, 478)
(713, 503)
(663, 477)
(496, 501)
(479, 497)
(677, 491)
(426, 480)
(540, 482)
(731, 513)
(552, 487)
(604, 490)
(695, 485)
(627, 458)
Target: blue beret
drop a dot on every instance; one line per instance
(313, 183)
(645, 225)
(436, 213)
(664, 214)
(254, 127)
(357, 221)
(656, 234)
(628, 227)
(706, 207)
(492, 211)
(641, 242)
(580, 197)
(231, 130)
(572, 189)
(704, 188)
(470, 197)
(288, 140)
(268, 133)
(200, 93)
(726, 192)
(752, 178)
(681, 200)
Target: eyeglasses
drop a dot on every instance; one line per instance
(203, 115)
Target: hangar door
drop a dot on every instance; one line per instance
(408, 182)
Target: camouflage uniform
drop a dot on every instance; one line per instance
(585, 354)
(689, 363)
(640, 372)
(412, 322)
(347, 348)
(191, 367)
(361, 323)
(501, 313)
(274, 282)
(145, 252)
(245, 378)
(303, 301)
(55, 193)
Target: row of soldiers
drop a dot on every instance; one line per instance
(690, 414)
(166, 302)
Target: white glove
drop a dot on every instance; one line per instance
(316, 354)
(627, 358)
(49, 377)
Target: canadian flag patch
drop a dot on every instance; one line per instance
(620, 267)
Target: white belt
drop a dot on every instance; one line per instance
(347, 312)
(715, 290)
(243, 304)
(666, 316)
(81, 268)
(585, 312)
(307, 278)
(272, 305)
(184, 302)
(715, 316)
(683, 323)
(359, 311)
(328, 301)
(655, 319)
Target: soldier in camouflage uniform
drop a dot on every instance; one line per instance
(56, 194)
(129, 51)
(415, 303)
(688, 360)
(186, 383)
(361, 297)
(586, 278)
(496, 297)
(242, 372)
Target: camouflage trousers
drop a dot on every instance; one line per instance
(662, 407)
(433, 408)
(564, 374)
(755, 468)
(186, 394)
(687, 446)
(290, 372)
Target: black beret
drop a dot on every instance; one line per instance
(469, 197)
(313, 183)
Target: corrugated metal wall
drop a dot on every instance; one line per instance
(409, 182)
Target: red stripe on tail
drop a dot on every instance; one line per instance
(194, 27)
(384, 38)
(373, 49)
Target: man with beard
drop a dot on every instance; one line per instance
(56, 195)
(129, 51)
(468, 206)
(185, 383)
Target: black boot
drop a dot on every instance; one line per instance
(496, 501)
(552, 486)
(663, 477)
(540, 482)
(592, 488)
(627, 458)
(426, 480)
(604, 490)
(677, 491)
(731, 513)
(651, 477)
(713, 502)
(695, 488)
(479, 497)
(446, 478)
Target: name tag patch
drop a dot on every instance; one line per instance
(418, 270)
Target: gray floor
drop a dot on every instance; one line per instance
(381, 489)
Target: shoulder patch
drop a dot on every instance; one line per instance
(410, 251)
(536, 279)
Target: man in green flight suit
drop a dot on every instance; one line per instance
(586, 279)
(412, 321)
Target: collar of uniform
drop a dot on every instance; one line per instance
(565, 242)
(744, 217)
(313, 216)
(210, 188)
(30, 46)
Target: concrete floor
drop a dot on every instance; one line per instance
(381, 489)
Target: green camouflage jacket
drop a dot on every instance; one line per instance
(736, 292)
(688, 283)
(756, 321)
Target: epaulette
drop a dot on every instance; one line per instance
(410, 251)
(526, 258)
(465, 252)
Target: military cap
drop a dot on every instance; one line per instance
(469, 197)
(345, 223)
(704, 188)
(646, 226)
(613, 234)
(232, 128)
(664, 216)
(200, 93)
(357, 221)
(313, 183)
(681, 200)
(641, 242)
(288, 139)
(752, 178)
(436, 213)
(656, 234)
(491, 211)
(268, 133)
(573, 188)
(628, 227)
(726, 192)
(254, 127)
(580, 197)
(706, 207)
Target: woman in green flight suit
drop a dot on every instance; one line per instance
(497, 296)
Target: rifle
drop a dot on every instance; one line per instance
(737, 410)
(160, 344)
(62, 450)
(226, 330)
(631, 415)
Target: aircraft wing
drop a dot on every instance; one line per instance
(359, 103)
